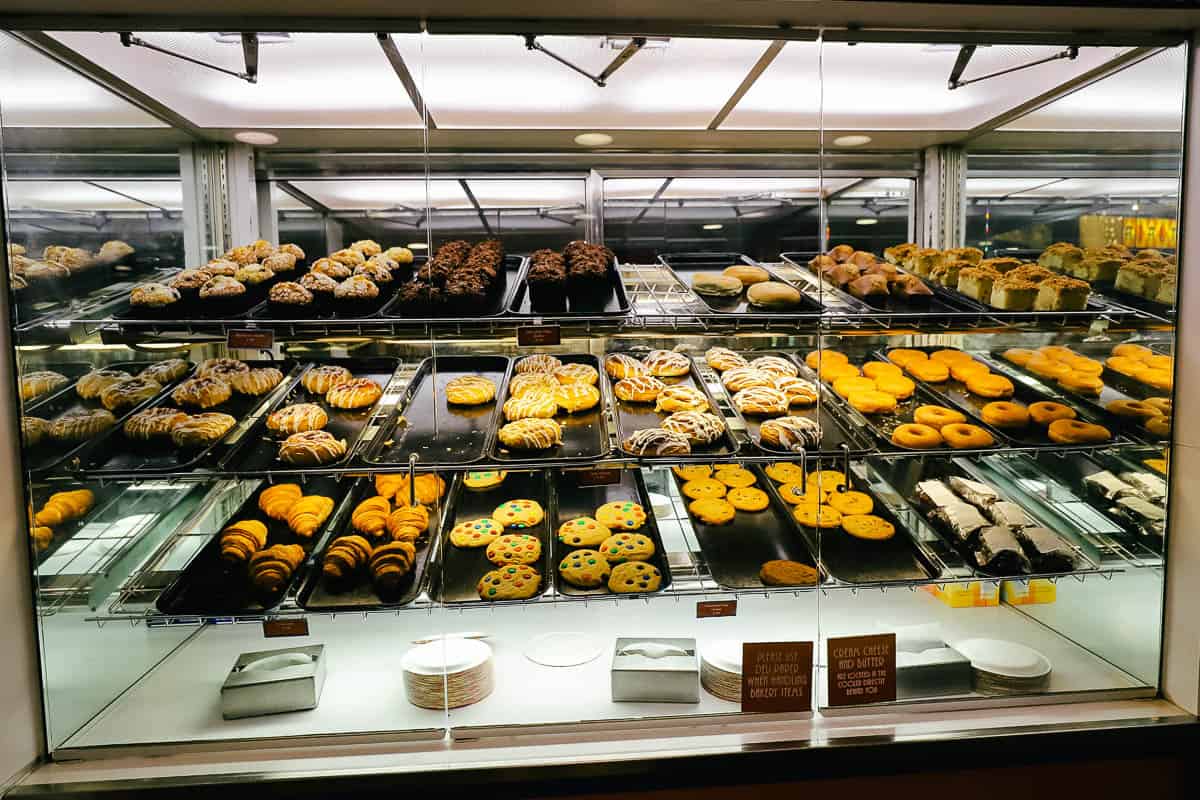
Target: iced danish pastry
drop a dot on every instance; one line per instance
(800, 393)
(202, 392)
(319, 380)
(575, 397)
(256, 382)
(470, 390)
(775, 366)
(680, 398)
(699, 427)
(311, 449)
(33, 431)
(538, 363)
(297, 418)
(129, 392)
(532, 383)
(722, 358)
(36, 384)
(153, 423)
(739, 378)
(638, 389)
(356, 393)
(201, 430)
(577, 373)
(166, 371)
(531, 434)
(221, 368)
(620, 365)
(91, 385)
(667, 363)
(791, 433)
(81, 425)
(539, 406)
(656, 442)
(761, 401)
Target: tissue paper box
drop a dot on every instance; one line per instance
(655, 669)
(274, 681)
(937, 672)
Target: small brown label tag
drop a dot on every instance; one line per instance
(707, 609)
(777, 676)
(862, 669)
(597, 476)
(539, 335)
(292, 626)
(254, 340)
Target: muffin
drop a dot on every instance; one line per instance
(334, 269)
(322, 287)
(401, 255)
(153, 299)
(280, 262)
(221, 266)
(290, 299)
(257, 279)
(378, 273)
(188, 283)
(358, 294)
(223, 296)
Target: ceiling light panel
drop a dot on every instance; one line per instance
(897, 86)
(878, 187)
(74, 196)
(443, 194)
(1074, 187)
(35, 90)
(495, 82)
(709, 188)
(315, 80)
(1145, 97)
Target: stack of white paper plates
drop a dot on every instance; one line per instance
(721, 669)
(1002, 667)
(448, 673)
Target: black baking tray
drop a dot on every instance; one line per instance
(834, 433)
(50, 455)
(260, 447)
(584, 434)
(630, 417)
(736, 552)
(882, 425)
(209, 586)
(685, 266)
(849, 559)
(496, 305)
(422, 423)
(455, 571)
(572, 501)
(113, 454)
(904, 475)
(1130, 427)
(955, 394)
(932, 304)
(72, 370)
(357, 592)
(611, 301)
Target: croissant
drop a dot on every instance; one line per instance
(65, 506)
(371, 515)
(41, 536)
(307, 515)
(408, 516)
(391, 562)
(277, 501)
(346, 555)
(271, 569)
(243, 539)
(429, 487)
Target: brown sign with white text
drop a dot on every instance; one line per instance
(777, 676)
(861, 669)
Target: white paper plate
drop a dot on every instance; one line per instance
(446, 656)
(1007, 659)
(563, 649)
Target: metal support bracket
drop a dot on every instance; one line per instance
(249, 51)
(964, 57)
(601, 80)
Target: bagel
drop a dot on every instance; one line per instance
(988, 385)
(873, 402)
(1018, 355)
(1044, 412)
(962, 436)
(1081, 383)
(937, 416)
(904, 357)
(1072, 431)
(929, 371)
(1005, 414)
(916, 437)
(1137, 409)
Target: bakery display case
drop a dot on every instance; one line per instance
(536, 413)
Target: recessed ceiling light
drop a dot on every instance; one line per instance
(713, 226)
(256, 137)
(593, 139)
(855, 140)
(417, 246)
(866, 221)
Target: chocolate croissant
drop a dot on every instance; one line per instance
(309, 514)
(345, 556)
(371, 515)
(243, 539)
(276, 501)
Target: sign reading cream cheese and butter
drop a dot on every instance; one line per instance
(861, 669)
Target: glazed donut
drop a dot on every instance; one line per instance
(620, 365)
(1081, 383)
(1087, 366)
(1018, 355)
(818, 358)
(988, 385)
(963, 371)
(1158, 426)
(898, 386)
(950, 357)
(929, 371)
(1157, 378)
(1046, 367)
(1159, 362)
(848, 386)
(877, 369)
(1163, 404)
(1124, 365)
(916, 437)
(1072, 431)
(1005, 414)
(937, 416)
(1135, 351)
(904, 357)
(831, 372)
(873, 402)
(1056, 352)
(1044, 412)
(1132, 408)
(961, 436)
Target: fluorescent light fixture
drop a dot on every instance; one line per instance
(1135, 206)
(652, 42)
(853, 140)
(593, 139)
(867, 221)
(713, 226)
(256, 137)
(266, 37)
(417, 246)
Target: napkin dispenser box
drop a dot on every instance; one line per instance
(274, 682)
(935, 672)
(655, 669)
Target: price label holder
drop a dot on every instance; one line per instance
(597, 476)
(777, 676)
(539, 335)
(276, 628)
(250, 339)
(710, 609)
(861, 669)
